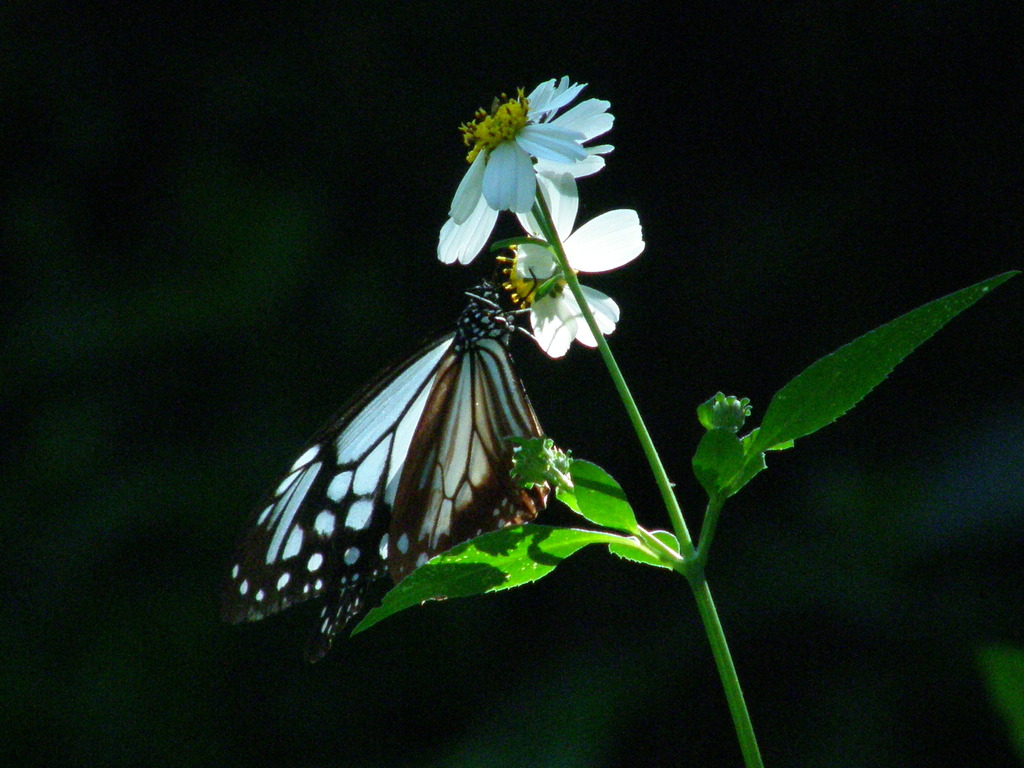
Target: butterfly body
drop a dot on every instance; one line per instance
(415, 465)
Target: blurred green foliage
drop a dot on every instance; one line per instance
(1003, 667)
(218, 223)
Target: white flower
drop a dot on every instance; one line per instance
(505, 144)
(603, 243)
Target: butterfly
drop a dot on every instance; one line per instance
(418, 462)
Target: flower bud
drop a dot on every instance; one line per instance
(721, 412)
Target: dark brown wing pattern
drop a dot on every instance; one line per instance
(456, 483)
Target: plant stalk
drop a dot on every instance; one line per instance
(695, 574)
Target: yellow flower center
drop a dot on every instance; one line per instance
(489, 129)
(523, 291)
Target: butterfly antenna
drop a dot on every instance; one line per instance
(486, 300)
(522, 330)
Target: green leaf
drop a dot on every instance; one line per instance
(667, 538)
(601, 500)
(635, 551)
(495, 561)
(835, 383)
(719, 458)
(1003, 668)
(568, 498)
(754, 461)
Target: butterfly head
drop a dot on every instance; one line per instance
(483, 317)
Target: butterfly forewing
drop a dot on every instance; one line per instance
(322, 529)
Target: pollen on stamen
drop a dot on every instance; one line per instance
(521, 291)
(525, 291)
(489, 129)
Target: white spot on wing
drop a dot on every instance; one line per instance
(315, 561)
(305, 458)
(458, 440)
(318, 585)
(297, 494)
(339, 486)
(286, 483)
(265, 514)
(259, 596)
(243, 588)
(421, 559)
(359, 514)
(384, 547)
(403, 543)
(376, 418)
(401, 442)
(351, 555)
(283, 581)
(234, 571)
(370, 470)
(443, 524)
(293, 546)
(440, 526)
(465, 496)
(479, 466)
(324, 523)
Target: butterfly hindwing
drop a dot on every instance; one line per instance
(456, 483)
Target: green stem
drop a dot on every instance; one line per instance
(694, 572)
(543, 216)
(707, 530)
(726, 671)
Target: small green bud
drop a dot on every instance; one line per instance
(721, 412)
(537, 460)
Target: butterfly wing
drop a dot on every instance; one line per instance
(324, 529)
(456, 483)
(418, 463)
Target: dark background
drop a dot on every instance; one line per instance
(218, 225)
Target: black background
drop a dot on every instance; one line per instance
(218, 225)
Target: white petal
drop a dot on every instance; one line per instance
(604, 309)
(554, 326)
(563, 201)
(588, 166)
(529, 222)
(541, 96)
(606, 242)
(590, 117)
(548, 97)
(462, 242)
(509, 183)
(467, 196)
(552, 143)
(535, 262)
